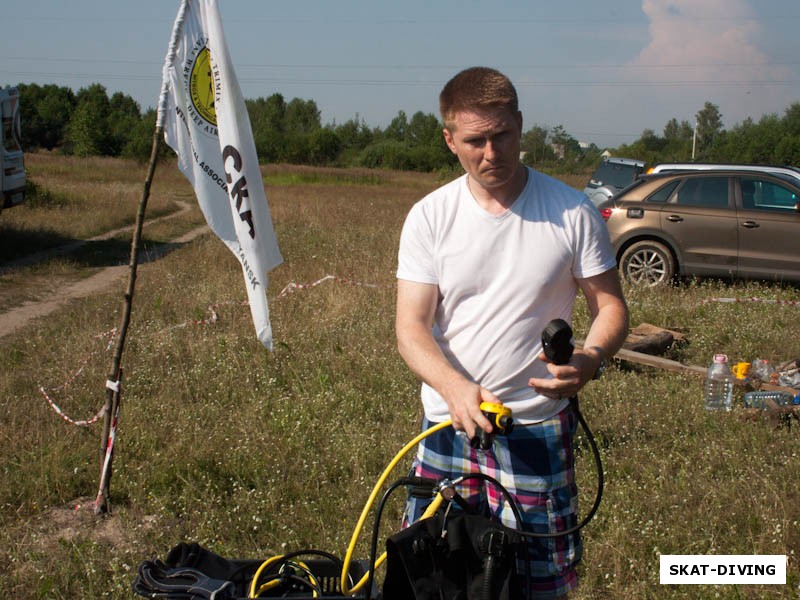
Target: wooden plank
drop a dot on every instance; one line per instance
(654, 361)
(660, 362)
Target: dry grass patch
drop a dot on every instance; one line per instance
(253, 453)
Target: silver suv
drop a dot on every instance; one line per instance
(791, 172)
(611, 176)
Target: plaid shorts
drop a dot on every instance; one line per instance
(535, 463)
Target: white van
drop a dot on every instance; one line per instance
(12, 174)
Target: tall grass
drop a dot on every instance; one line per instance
(253, 453)
(70, 203)
(76, 198)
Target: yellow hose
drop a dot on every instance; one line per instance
(346, 590)
(254, 590)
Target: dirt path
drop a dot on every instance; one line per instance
(20, 316)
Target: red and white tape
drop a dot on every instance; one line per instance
(291, 287)
(68, 419)
(213, 317)
(110, 334)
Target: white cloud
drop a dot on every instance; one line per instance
(702, 40)
(708, 50)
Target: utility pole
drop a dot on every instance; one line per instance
(694, 140)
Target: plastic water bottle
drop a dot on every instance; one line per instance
(758, 399)
(719, 384)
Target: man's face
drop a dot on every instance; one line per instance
(487, 143)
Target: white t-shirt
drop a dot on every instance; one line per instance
(501, 279)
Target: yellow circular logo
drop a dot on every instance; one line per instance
(201, 87)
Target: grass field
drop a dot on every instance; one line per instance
(253, 453)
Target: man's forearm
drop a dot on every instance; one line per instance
(609, 313)
(426, 360)
(608, 330)
(462, 396)
(416, 305)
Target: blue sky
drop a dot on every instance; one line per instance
(604, 70)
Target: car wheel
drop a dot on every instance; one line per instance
(647, 263)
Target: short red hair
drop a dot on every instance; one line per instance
(476, 88)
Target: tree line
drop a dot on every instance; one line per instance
(90, 122)
(773, 139)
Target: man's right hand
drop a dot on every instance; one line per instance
(464, 402)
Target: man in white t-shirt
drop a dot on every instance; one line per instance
(485, 262)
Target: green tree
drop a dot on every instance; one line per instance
(397, 129)
(323, 146)
(564, 144)
(139, 141)
(678, 132)
(678, 139)
(424, 130)
(302, 117)
(788, 150)
(791, 120)
(124, 118)
(354, 134)
(428, 150)
(88, 133)
(85, 135)
(385, 154)
(534, 145)
(734, 145)
(709, 126)
(267, 121)
(44, 112)
(267, 117)
(416, 145)
(764, 139)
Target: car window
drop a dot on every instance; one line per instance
(703, 191)
(761, 194)
(615, 174)
(663, 193)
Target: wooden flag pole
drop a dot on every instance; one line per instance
(113, 391)
(113, 384)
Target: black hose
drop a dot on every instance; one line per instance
(600, 481)
(289, 579)
(274, 574)
(373, 551)
(488, 575)
(517, 516)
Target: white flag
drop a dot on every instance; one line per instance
(205, 121)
